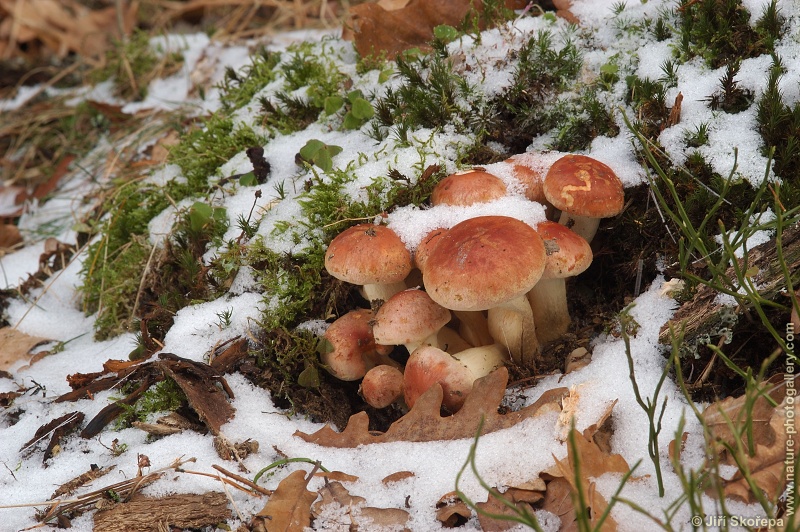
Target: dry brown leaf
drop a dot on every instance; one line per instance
(392, 26)
(336, 476)
(9, 237)
(726, 420)
(15, 345)
(361, 517)
(451, 511)
(289, 507)
(579, 358)
(64, 26)
(593, 463)
(424, 421)
(396, 477)
(601, 431)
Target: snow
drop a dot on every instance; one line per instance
(504, 458)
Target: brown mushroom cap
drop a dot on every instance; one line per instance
(529, 170)
(568, 254)
(426, 246)
(483, 262)
(583, 186)
(368, 254)
(428, 365)
(408, 317)
(467, 188)
(382, 386)
(349, 349)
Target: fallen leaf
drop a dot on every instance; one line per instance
(289, 507)
(393, 26)
(56, 430)
(727, 419)
(9, 237)
(451, 511)
(361, 517)
(424, 421)
(396, 477)
(16, 345)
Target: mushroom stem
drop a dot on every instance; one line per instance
(512, 325)
(382, 292)
(474, 328)
(582, 225)
(451, 342)
(548, 300)
(482, 360)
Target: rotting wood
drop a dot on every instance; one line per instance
(145, 514)
(703, 313)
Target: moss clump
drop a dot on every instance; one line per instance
(430, 95)
(719, 31)
(779, 125)
(164, 396)
(240, 87)
(207, 147)
(539, 101)
(311, 70)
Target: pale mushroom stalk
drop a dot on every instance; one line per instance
(548, 300)
(581, 225)
(474, 327)
(381, 292)
(512, 325)
(482, 360)
(452, 342)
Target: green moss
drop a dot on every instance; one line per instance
(430, 95)
(239, 88)
(546, 97)
(719, 31)
(207, 147)
(164, 396)
(779, 126)
(308, 68)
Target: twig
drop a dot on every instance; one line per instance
(243, 480)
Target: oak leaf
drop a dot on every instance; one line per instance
(289, 507)
(361, 517)
(727, 421)
(15, 346)
(424, 421)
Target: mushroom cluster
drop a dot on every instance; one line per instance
(492, 287)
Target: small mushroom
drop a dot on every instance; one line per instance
(468, 188)
(348, 348)
(370, 255)
(410, 318)
(455, 373)
(584, 190)
(382, 386)
(567, 255)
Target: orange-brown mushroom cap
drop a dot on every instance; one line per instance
(467, 188)
(484, 261)
(584, 186)
(368, 254)
(568, 253)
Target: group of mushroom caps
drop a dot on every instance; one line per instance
(502, 279)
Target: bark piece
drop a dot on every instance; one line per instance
(425, 423)
(56, 429)
(145, 514)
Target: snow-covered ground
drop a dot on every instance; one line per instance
(504, 458)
